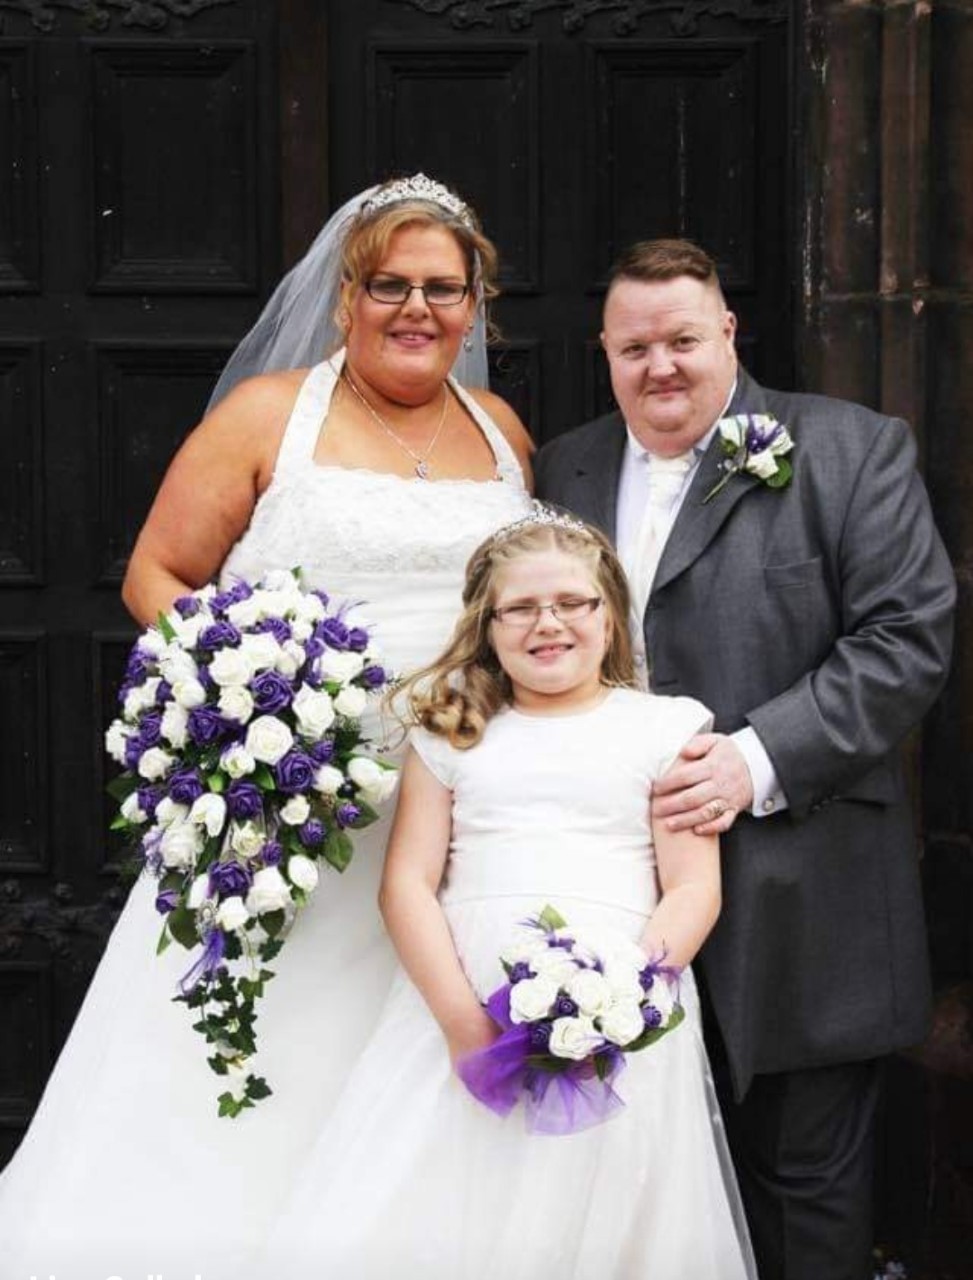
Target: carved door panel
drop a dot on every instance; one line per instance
(138, 184)
(575, 129)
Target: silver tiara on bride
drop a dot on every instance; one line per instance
(418, 187)
(540, 515)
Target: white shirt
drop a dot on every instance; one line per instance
(633, 495)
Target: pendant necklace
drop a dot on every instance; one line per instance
(421, 460)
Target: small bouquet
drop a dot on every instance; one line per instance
(574, 1005)
(245, 767)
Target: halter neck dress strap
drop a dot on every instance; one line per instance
(309, 411)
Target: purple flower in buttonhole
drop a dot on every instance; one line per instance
(185, 786)
(244, 800)
(229, 878)
(167, 901)
(539, 1035)
(358, 639)
(651, 1016)
(347, 813)
(271, 853)
(277, 627)
(271, 692)
(294, 772)
(372, 677)
(220, 635)
(205, 726)
(322, 752)
(187, 606)
(311, 833)
(519, 972)
(333, 632)
(565, 1007)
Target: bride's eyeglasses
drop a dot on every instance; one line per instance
(526, 615)
(393, 291)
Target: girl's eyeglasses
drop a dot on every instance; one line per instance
(526, 615)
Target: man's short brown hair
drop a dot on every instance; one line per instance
(664, 260)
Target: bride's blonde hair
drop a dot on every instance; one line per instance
(457, 694)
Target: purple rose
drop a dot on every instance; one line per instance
(322, 752)
(333, 632)
(271, 692)
(651, 1015)
(565, 1007)
(314, 646)
(229, 878)
(185, 786)
(358, 639)
(187, 606)
(539, 1035)
(277, 627)
(150, 726)
(167, 901)
(205, 726)
(220, 635)
(163, 693)
(148, 798)
(244, 800)
(234, 595)
(565, 943)
(133, 751)
(311, 833)
(136, 668)
(647, 977)
(346, 814)
(520, 971)
(271, 853)
(372, 677)
(294, 772)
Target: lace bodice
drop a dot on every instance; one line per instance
(399, 546)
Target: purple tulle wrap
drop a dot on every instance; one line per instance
(555, 1102)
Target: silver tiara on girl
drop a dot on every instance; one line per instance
(418, 187)
(540, 515)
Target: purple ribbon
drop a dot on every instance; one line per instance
(208, 962)
(555, 1102)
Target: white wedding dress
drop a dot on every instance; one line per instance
(412, 1178)
(126, 1170)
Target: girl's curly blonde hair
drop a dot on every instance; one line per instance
(457, 694)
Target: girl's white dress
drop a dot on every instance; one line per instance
(127, 1171)
(411, 1177)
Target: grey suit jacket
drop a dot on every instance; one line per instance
(820, 614)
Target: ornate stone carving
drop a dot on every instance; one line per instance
(98, 15)
(684, 15)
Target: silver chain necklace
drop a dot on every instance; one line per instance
(421, 460)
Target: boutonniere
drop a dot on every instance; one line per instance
(755, 444)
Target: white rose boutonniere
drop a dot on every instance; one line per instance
(754, 444)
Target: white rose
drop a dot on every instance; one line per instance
(280, 580)
(180, 844)
(189, 693)
(268, 739)
(269, 892)
(314, 711)
(623, 980)
(351, 701)
(532, 999)
(209, 811)
(232, 914)
(301, 630)
(732, 429)
(198, 892)
(287, 664)
(237, 761)
(328, 779)
(623, 1023)
(303, 872)
(590, 992)
(521, 947)
(230, 666)
(246, 839)
(167, 812)
(155, 764)
(261, 650)
(366, 773)
(115, 739)
(245, 612)
(236, 703)
(176, 664)
(152, 643)
(131, 810)
(140, 698)
(309, 607)
(762, 464)
(573, 1038)
(555, 964)
(338, 664)
(174, 726)
(187, 629)
(295, 811)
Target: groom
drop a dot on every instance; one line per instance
(806, 598)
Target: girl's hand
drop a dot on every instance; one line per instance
(476, 1032)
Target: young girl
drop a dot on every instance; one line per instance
(527, 784)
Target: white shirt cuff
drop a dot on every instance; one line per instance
(768, 797)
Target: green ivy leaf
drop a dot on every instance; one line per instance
(549, 919)
(121, 788)
(182, 926)
(272, 922)
(338, 849)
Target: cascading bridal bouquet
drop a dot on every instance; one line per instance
(574, 1004)
(245, 767)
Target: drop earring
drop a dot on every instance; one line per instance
(468, 340)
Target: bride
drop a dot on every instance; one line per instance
(378, 473)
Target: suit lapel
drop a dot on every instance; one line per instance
(596, 476)
(698, 522)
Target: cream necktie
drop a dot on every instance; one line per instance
(666, 479)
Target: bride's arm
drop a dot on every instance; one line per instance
(414, 864)
(689, 875)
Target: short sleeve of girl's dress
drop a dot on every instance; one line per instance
(679, 719)
(436, 754)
